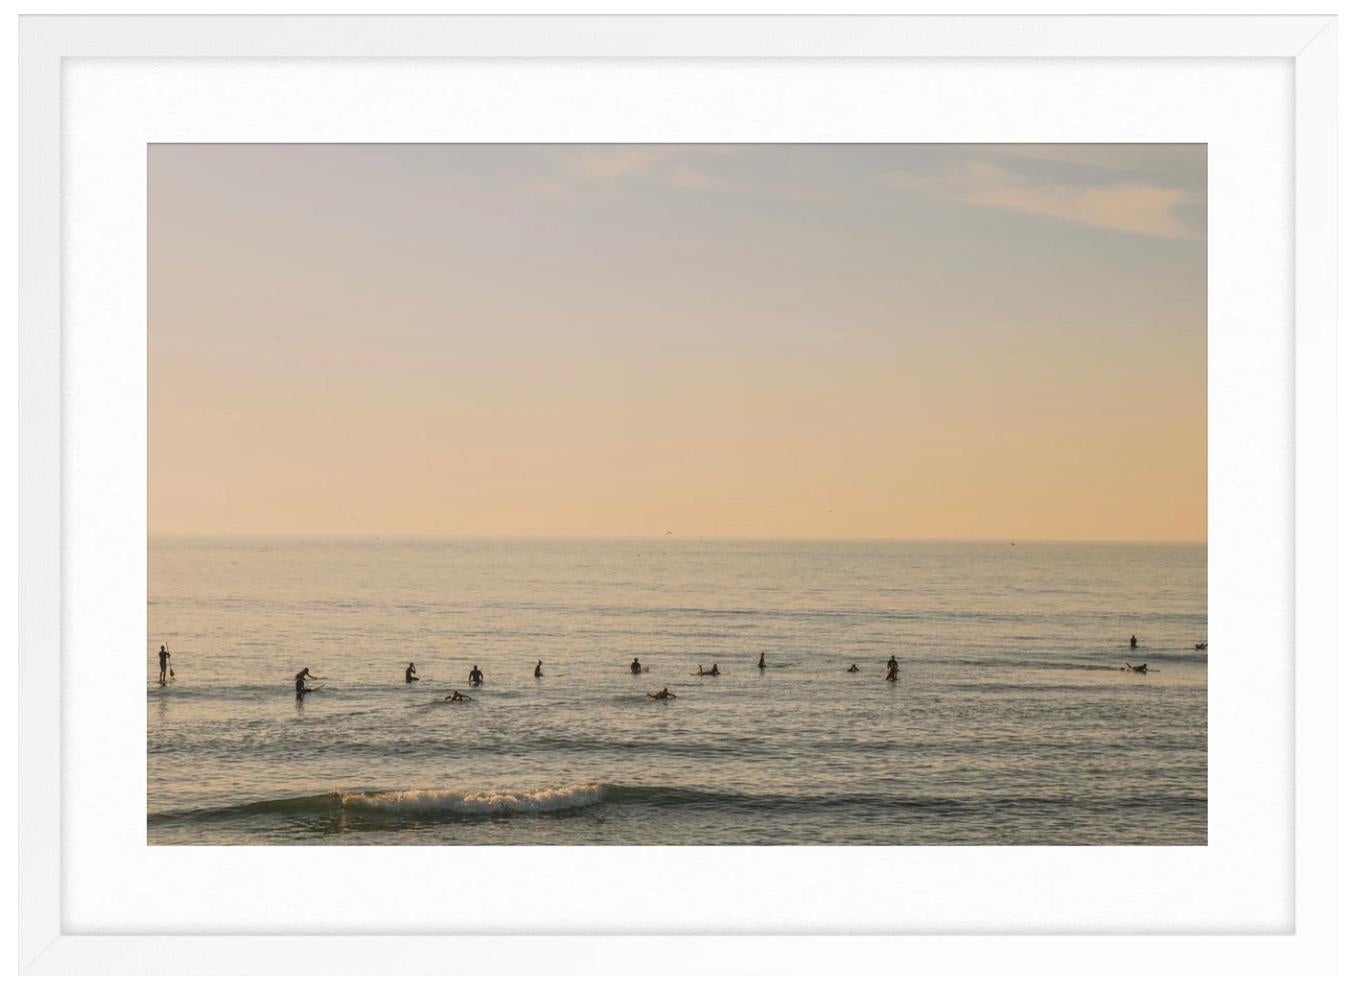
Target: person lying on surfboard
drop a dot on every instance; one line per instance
(1135, 669)
(457, 697)
(664, 695)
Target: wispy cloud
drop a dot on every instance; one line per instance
(1141, 210)
(709, 169)
(617, 161)
(1137, 208)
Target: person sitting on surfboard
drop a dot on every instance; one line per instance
(664, 695)
(475, 677)
(853, 668)
(164, 663)
(410, 674)
(636, 665)
(537, 671)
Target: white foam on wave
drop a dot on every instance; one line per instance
(480, 801)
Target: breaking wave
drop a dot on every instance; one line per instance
(341, 811)
(478, 802)
(400, 805)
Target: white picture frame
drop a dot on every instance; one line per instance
(50, 47)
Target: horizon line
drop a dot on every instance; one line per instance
(456, 537)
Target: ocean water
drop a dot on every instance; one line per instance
(1013, 722)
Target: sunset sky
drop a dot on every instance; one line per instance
(894, 341)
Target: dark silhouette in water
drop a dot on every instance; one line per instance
(164, 664)
(712, 672)
(1142, 668)
(410, 674)
(892, 669)
(537, 671)
(853, 668)
(475, 677)
(1200, 647)
(636, 666)
(1133, 642)
(457, 697)
(761, 660)
(300, 681)
(664, 695)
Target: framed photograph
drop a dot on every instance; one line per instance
(646, 486)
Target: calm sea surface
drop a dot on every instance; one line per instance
(1012, 723)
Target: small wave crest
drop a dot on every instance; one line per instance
(376, 807)
(477, 802)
